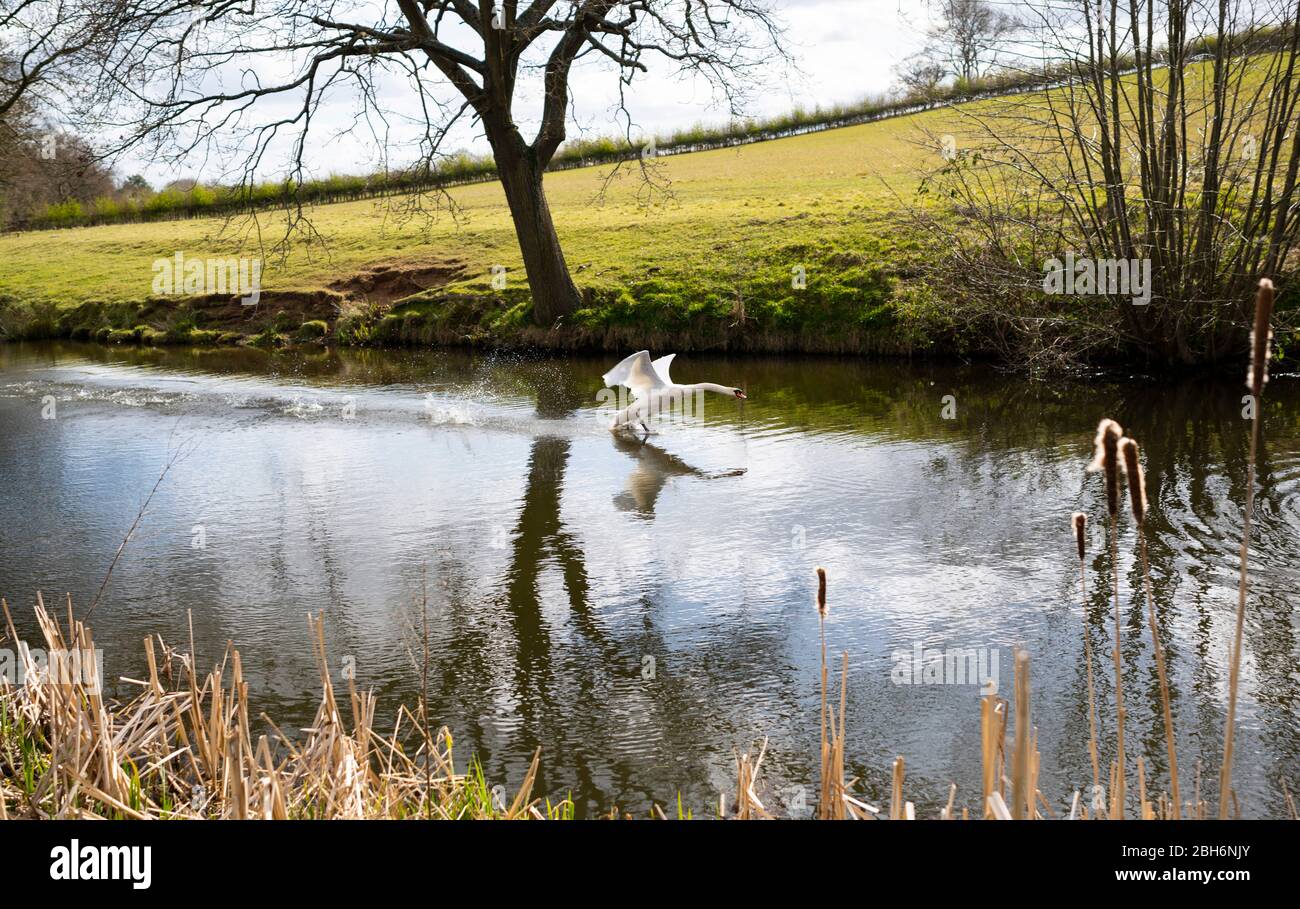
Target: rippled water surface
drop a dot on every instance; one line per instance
(639, 610)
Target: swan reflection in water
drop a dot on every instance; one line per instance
(654, 468)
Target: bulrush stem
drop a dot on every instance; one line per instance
(1117, 812)
(838, 789)
(1164, 681)
(990, 719)
(1022, 784)
(1138, 494)
(1258, 377)
(1080, 521)
(1106, 459)
(896, 790)
(823, 804)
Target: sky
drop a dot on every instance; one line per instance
(842, 50)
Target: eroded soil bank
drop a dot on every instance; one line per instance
(430, 303)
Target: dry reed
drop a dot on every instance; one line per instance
(1260, 338)
(823, 799)
(1138, 497)
(1080, 523)
(1022, 793)
(186, 749)
(833, 799)
(1106, 459)
(993, 736)
(748, 806)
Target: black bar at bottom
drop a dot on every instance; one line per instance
(311, 857)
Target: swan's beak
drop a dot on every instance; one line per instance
(740, 394)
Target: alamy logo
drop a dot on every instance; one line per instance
(75, 862)
(1086, 277)
(32, 665)
(953, 666)
(186, 275)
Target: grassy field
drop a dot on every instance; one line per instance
(709, 261)
(807, 243)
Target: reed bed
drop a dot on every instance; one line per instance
(184, 748)
(1116, 456)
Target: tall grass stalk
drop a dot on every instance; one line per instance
(825, 745)
(1106, 459)
(1022, 794)
(1261, 336)
(1079, 521)
(993, 733)
(1137, 488)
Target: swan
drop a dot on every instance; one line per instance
(649, 381)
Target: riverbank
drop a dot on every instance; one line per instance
(795, 244)
(462, 320)
(846, 306)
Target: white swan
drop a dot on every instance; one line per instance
(654, 389)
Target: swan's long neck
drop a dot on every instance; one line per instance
(707, 386)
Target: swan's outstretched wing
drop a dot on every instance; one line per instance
(661, 366)
(638, 374)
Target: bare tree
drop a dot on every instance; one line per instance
(965, 39)
(920, 75)
(1169, 148)
(197, 76)
(45, 45)
(40, 164)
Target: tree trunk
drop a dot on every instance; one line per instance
(554, 293)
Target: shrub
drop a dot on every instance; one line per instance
(310, 331)
(268, 338)
(64, 214)
(124, 336)
(356, 327)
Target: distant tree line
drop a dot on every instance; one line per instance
(45, 171)
(54, 178)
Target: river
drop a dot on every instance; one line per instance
(642, 610)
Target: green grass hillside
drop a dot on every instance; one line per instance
(703, 257)
(711, 258)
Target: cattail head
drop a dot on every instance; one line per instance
(1261, 337)
(1080, 522)
(1137, 484)
(821, 592)
(1105, 457)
